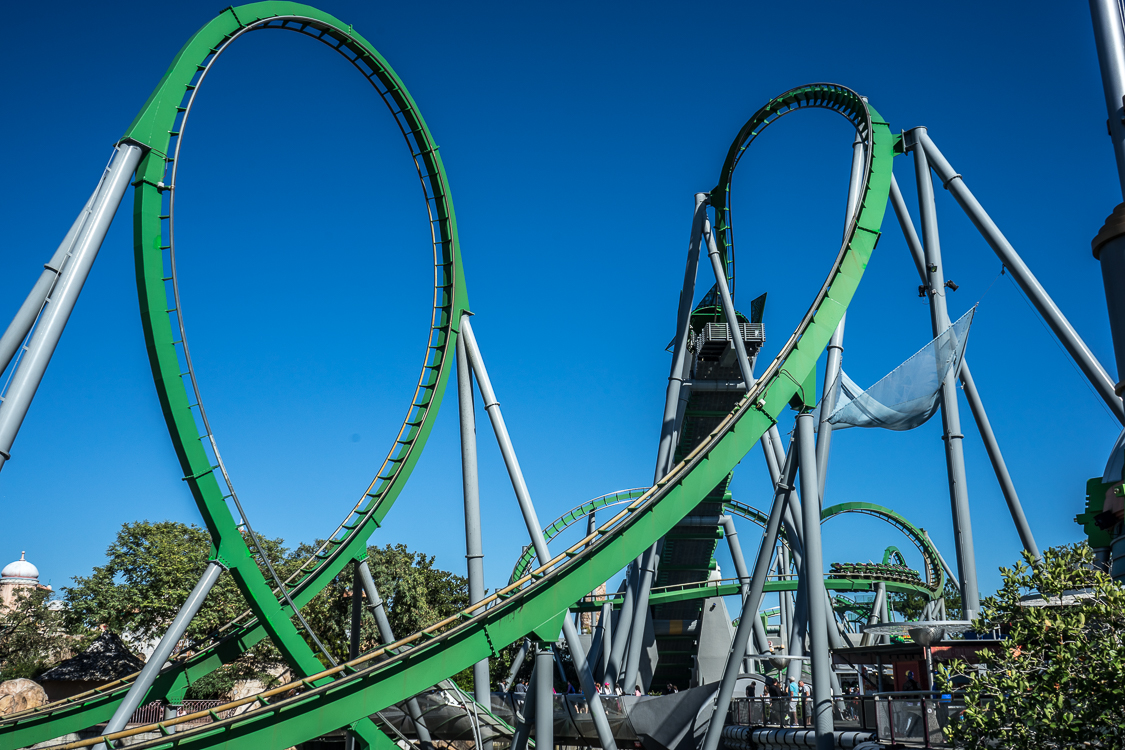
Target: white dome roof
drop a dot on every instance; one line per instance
(21, 568)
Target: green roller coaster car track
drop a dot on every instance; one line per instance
(935, 575)
(342, 696)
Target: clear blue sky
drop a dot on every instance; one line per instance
(574, 135)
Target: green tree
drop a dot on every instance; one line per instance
(1058, 680)
(910, 605)
(31, 634)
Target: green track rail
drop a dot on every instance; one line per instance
(536, 603)
(342, 696)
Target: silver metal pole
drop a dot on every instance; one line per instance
(387, 635)
(623, 630)
(835, 357)
(950, 413)
(876, 608)
(544, 698)
(785, 601)
(762, 643)
(598, 654)
(1023, 276)
(679, 353)
(474, 548)
(535, 530)
(517, 662)
(25, 317)
(976, 405)
(171, 637)
(727, 304)
(782, 494)
(607, 640)
(1109, 38)
(25, 381)
(640, 617)
(525, 717)
(814, 577)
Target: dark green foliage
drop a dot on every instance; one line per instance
(1058, 681)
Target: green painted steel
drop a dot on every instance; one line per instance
(367, 685)
(156, 127)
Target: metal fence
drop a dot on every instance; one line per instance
(151, 713)
(916, 718)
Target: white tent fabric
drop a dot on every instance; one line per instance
(909, 395)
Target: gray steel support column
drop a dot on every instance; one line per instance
(526, 717)
(814, 575)
(25, 317)
(640, 616)
(599, 654)
(474, 548)
(171, 711)
(544, 698)
(785, 601)
(799, 628)
(834, 360)
(679, 353)
(884, 609)
(728, 305)
(762, 643)
(976, 406)
(387, 635)
(876, 608)
(782, 494)
(950, 412)
(29, 374)
(1023, 276)
(535, 530)
(168, 641)
(613, 673)
(517, 662)
(1109, 38)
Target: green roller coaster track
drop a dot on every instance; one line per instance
(324, 700)
(935, 575)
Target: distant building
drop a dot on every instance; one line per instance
(17, 576)
(107, 659)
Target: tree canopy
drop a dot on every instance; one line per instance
(1058, 681)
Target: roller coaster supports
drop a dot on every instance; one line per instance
(387, 635)
(599, 655)
(728, 305)
(762, 643)
(525, 717)
(132, 701)
(1023, 276)
(835, 357)
(640, 616)
(876, 610)
(814, 576)
(517, 662)
(976, 406)
(544, 698)
(786, 603)
(523, 497)
(1109, 37)
(950, 413)
(25, 317)
(783, 491)
(27, 376)
(474, 548)
(679, 353)
(622, 632)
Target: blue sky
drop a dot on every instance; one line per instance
(575, 136)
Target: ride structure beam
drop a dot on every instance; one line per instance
(783, 492)
(814, 585)
(1063, 330)
(535, 531)
(63, 295)
(972, 395)
(474, 547)
(950, 414)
